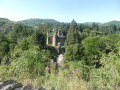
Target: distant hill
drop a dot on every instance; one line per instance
(90, 23)
(4, 19)
(6, 24)
(36, 22)
(117, 23)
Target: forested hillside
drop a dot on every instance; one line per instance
(35, 22)
(91, 57)
(6, 25)
(117, 23)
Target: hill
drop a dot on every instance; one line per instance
(4, 19)
(90, 23)
(6, 24)
(117, 23)
(37, 22)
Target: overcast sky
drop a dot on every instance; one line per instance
(61, 10)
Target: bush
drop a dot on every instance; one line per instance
(73, 52)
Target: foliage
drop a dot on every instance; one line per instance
(117, 23)
(37, 22)
(107, 76)
(19, 33)
(39, 39)
(91, 58)
(45, 27)
(95, 47)
(4, 47)
(73, 53)
(6, 26)
(24, 44)
(72, 35)
(31, 62)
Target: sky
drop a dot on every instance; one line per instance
(61, 10)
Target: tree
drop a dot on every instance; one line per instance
(4, 47)
(73, 24)
(12, 37)
(24, 44)
(39, 39)
(95, 47)
(44, 28)
(74, 52)
(73, 35)
(32, 61)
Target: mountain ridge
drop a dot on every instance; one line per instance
(117, 23)
(36, 22)
(6, 24)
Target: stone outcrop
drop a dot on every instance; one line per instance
(60, 59)
(14, 85)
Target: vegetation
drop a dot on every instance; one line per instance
(117, 23)
(91, 58)
(36, 22)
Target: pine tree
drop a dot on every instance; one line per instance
(73, 36)
(73, 24)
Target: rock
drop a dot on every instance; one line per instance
(38, 88)
(60, 59)
(6, 87)
(17, 88)
(13, 86)
(1, 83)
(27, 87)
(5, 83)
(41, 88)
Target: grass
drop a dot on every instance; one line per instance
(67, 78)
